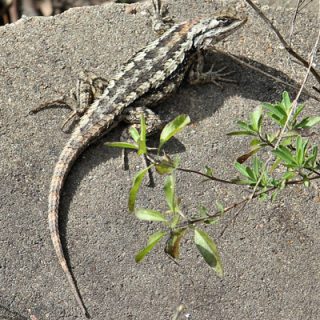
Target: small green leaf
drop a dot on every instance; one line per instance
(306, 182)
(173, 244)
(124, 145)
(243, 125)
(288, 175)
(220, 207)
(153, 240)
(208, 250)
(134, 134)
(166, 166)
(275, 164)
(286, 101)
(285, 154)
(135, 187)
(274, 195)
(255, 142)
(300, 149)
(241, 168)
(143, 134)
(172, 128)
(150, 215)
(169, 190)
(274, 111)
(241, 133)
(209, 171)
(300, 107)
(308, 122)
(256, 117)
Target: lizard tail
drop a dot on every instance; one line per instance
(65, 162)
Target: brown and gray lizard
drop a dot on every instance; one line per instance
(150, 76)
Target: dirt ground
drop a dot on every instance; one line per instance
(271, 254)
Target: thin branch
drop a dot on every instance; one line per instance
(207, 176)
(293, 107)
(232, 56)
(219, 213)
(283, 41)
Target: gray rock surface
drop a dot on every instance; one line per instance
(271, 254)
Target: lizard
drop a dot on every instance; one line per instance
(147, 78)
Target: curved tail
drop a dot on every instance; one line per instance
(65, 162)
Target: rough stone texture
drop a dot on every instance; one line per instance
(271, 253)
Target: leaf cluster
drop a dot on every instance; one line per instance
(172, 218)
(293, 156)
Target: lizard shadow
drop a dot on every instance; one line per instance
(205, 99)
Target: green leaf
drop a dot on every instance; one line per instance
(255, 142)
(288, 175)
(169, 190)
(220, 207)
(150, 215)
(274, 195)
(135, 187)
(274, 111)
(241, 133)
(256, 117)
(300, 150)
(166, 166)
(172, 128)
(284, 154)
(153, 240)
(209, 171)
(257, 167)
(306, 182)
(245, 171)
(275, 165)
(300, 107)
(308, 122)
(143, 134)
(243, 125)
(312, 159)
(286, 102)
(124, 145)
(173, 244)
(241, 168)
(134, 134)
(208, 250)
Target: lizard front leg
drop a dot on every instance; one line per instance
(161, 22)
(197, 75)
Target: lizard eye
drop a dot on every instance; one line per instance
(224, 21)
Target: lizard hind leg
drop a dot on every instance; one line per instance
(153, 125)
(89, 87)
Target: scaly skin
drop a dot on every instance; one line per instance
(151, 75)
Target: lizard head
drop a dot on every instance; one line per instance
(209, 31)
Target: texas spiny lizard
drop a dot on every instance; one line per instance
(150, 76)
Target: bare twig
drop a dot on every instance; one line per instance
(232, 56)
(283, 130)
(283, 41)
(219, 213)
